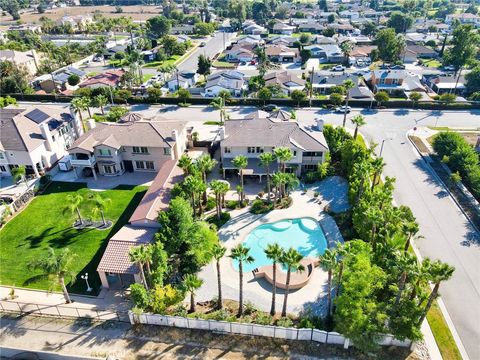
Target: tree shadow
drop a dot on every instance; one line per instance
(169, 108)
(401, 112)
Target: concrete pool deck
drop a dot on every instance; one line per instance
(311, 296)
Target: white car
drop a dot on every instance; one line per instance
(343, 109)
(338, 68)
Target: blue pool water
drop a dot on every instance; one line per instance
(303, 234)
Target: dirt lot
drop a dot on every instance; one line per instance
(136, 12)
(470, 137)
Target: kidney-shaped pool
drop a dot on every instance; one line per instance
(303, 234)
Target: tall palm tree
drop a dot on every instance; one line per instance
(438, 272)
(138, 256)
(56, 267)
(192, 283)
(404, 263)
(265, 160)
(241, 253)
(100, 204)
(72, 205)
(377, 167)
(219, 188)
(358, 121)
(78, 105)
(346, 48)
(328, 263)
(194, 185)
(363, 171)
(240, 162)
(283, 154)
(291, 259)
(205, 165)
(411, 228)
(279, 180)
(100, 101)
(292, 182)
(218, 252)
(274, 253)
(219, 104)
(375, 217)
(185, 163)
(347, 84)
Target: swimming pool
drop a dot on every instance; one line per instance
(303, 234)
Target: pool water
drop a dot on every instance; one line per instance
(303, 234)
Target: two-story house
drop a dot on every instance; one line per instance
(133, 144)
(232, 81)
(255, 134)
(287, 81)
(35, 137)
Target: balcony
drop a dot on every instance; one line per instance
(82, 160)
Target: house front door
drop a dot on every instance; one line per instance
(128, 165)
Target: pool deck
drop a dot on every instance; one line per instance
(258, 291)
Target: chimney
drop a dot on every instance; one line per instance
(47, 136)
(91, 124)
(176, 146)
(320, 123)
(221, 133)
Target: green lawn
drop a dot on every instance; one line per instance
(147, 77)
(172, 60)
(43, 224)
(441, 332)
(432, 63)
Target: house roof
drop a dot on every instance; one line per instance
(108, 78)
(154, 132)
(333, 79)
(362, 50)
(227, 79)
(284, 79)
(17, 57)
(257, 131)
(421, 50)
(276, 50)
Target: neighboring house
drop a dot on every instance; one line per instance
(326, 53)
(362, 52)
(281, 28)
(23, 28)
(311, 26)
(281, 54)
(111, 78)
(463, 18)
(445, 84)
(323, 40)
(229, 80)
(133, 144)
(35, 137)
(239, 53)
(183, 38)
(422, 51)
(350, 15)
(342, 28)
(77, 22)
(354, 39)
(287, 81)
(322, 83)
(182, 29)
(58, 81)
(182, 79)
(420, 38)
(249, 40)
(394, 82)
(254, 29)
(114, 50)
(255, 135)
(283, 40)
(27, 60)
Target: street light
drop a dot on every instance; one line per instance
(85, 277)
(383, 142)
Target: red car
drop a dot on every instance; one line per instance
(252, 62)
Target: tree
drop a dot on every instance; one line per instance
(218, 252)
(377, 167)
(346, 48)
(19, 173)
(381, 97)
(369, 28)
(305, 54)
(240, 162)
(79, 105)
(399, 21)
(283, 155)
(159, 26)
(448, 98)
(56, 267)
(241, 254)
(185, 163)
(99, 205)
(437, 272)
(404, 264)
(183, 95)
(304, 38)
(73, 79)
(274, 253)
(336, 99)
(72, 205)
(390, 45)
(328, 263)
(191, 284)
(291, 259)
(264, 94)
(415, 97)
(348, 84)
(203, 28)
(298, 96)
(100, 101)
(140, 256)
(219, 104)
(473, 81)
(7, 100)
(322, 4)
(204, 64)
(455, 177)
(266, 159)
(205, 165)
(194, 185)
(219, 188)
(358, 121)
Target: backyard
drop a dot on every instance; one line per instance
(44, 224)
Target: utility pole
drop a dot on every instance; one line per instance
(311, 85)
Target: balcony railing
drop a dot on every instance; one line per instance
(83, 162)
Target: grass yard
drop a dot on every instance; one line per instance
(147, 77)
(431, 63)
(172, 60)
(42, 224)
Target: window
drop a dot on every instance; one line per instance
(104, 152)
(167, 151)
(109, 169)
(2, 155)
(145, 165)
(140, 150)
(139, 164)
(251, 150)
(259, 149)
(228, 150)
(3, 168)
(294, 152)
(149, 165)
(313, 153)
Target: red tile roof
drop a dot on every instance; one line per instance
(108, 78)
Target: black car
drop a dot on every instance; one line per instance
(269, 107)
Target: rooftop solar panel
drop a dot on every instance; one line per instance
(37, 115)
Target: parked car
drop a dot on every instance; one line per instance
(203, 43)
(243, 63)
(269, 107)
(449, 68)
(338, 68)
(397, 67)
(252, 62)
(343, 109)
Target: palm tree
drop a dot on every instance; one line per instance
(185, 163)
(56, 267)
(328, 263)
(218, 252)
(404, 263)
(19, 173)
(274, 253)
(194, 185)
(100, 204)
(363, 171)
(72, 205)
(291, 259)
(219, 104)
(283, 154)
(346, 48)
(78, 105)
(291, 183)
(438, 272)
(240, 162)
(411, 228)
(100, 100)
(265, 160)
(279, 180)
(139, 256)
(358, 121)
(377, 167)
(192, 283)
(241, 254)
(219, 188)
(347, 84)
(205, 165)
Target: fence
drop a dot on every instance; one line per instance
(63, 311)
(279, 332)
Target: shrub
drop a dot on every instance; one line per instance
(249, 308)
(285, 203)
(211, 203)
(260, 207)
(224, 217)
(139, 296)
(232, 204)
(285, 322)
(162, 297)
(263, 318)
(311, 322)
(184, 104)
(310, 177)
